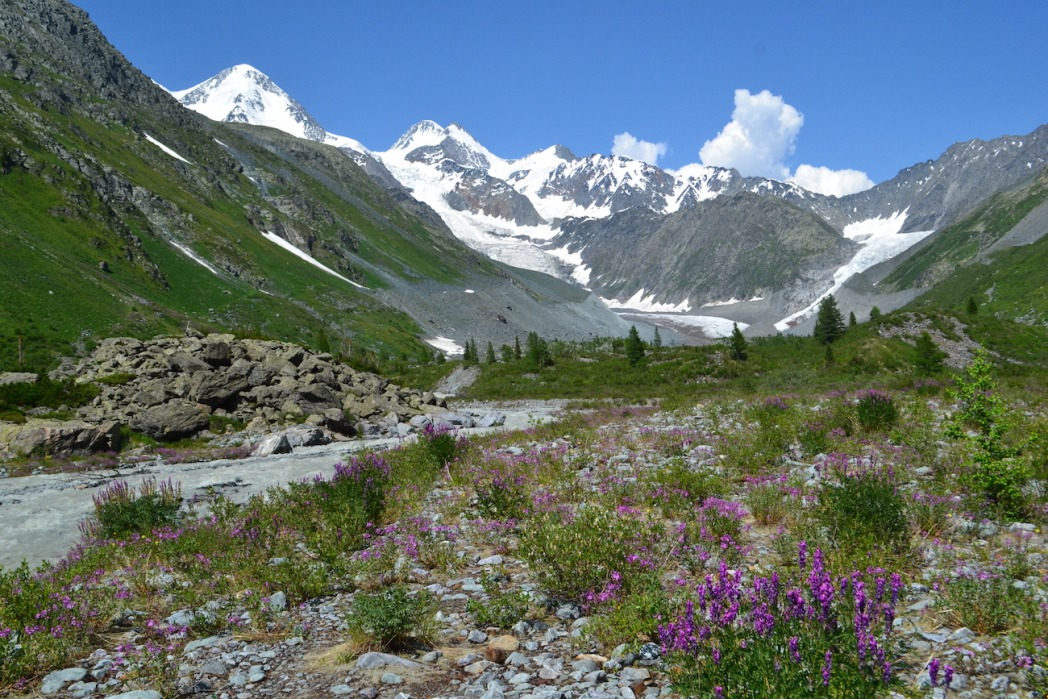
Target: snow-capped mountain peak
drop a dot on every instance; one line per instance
(245, 94)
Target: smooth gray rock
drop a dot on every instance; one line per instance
(372, 660)
(55, 681)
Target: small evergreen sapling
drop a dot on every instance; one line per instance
(737, 344)
(634, 347)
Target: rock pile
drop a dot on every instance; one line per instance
(173, 387)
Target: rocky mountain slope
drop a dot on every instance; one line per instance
(562, 214)
(125, 213)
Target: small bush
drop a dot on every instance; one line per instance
(876, 411)
(985, 604)
(768, 503)
(629, 618)
(120, 513)
(501, 609)
(574, 555)
(392, 619)
(864, 512)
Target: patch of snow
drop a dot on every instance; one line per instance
(308, 258)
(167, 150)
(710, 326)
(445, 345)
(195, 257)
(647, 304)
(470, 291)
(880, 240)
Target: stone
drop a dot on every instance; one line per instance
(375, 659)
(340, 689)
(173, 420)
(273, 444)
(476, 636)
(62, 437)
(278, 601)
(137, 694)
(55, 681)
(500, 648)
(391, 678)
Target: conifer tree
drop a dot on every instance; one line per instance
(829, 323)
(851, 320)
(875, 313)
(656, 342)
(973, 307)
(737, 344)
(928, 357)
(467, 354)
(634, 347)
(490, 353)
(516, 348)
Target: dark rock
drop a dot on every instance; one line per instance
(173, 420)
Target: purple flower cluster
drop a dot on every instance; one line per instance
(807, 623)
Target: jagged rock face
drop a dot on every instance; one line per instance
(731, 247)
(170, 388)
(614, 183)
(938, 192)
(479, 192)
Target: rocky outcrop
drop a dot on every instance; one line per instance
(60, 437)
(173, 387)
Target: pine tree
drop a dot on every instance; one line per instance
(490, 353)
(467, 354)
(875, 313)
(737, 343)
(656, 342)
(829, 323)
(928, 357)
(973, 307)
(634, 347)
(851, 320)
(473, 351)
(538, 351)
(516, 348)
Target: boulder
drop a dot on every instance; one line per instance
(63, 437)
(173, 420)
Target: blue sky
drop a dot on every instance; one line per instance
(870, 87)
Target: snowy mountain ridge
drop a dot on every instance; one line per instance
(515, 210)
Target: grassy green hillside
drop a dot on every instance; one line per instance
(92, 214)
(1011, 284)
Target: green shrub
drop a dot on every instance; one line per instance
(769, 503)
(573, 555)
(678, 488)
(120, 513)
(864, 513)
(876, 411)
(502, 609)
(630, 617)
(985, 604)
(392, 619)
(998, 471)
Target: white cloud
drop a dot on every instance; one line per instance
(627, 146)
(761, 134)
(833, 182)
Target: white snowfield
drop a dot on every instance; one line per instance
(273, 237)
(880, 240)
(167, 150)
(445, 345)
(195, 257)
